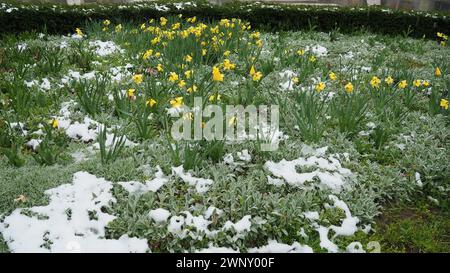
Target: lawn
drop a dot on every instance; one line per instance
(88, 162)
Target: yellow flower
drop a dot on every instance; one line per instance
(214, 97)
(160, 68)
(55, 123)
(257, 76)
(163, 21)
(300, 52)
(130, 92)
(312, 59)
(333, 76)
(150, 102)
(188, 73)
(176, 26)
(417, 83)
(444, 104)
(403, 84)
(389, 80)
(173, 77)
(143, 26)
(426, 83)
(255, 35)
(295, 80)
(232, 121)
(118, 28)
(158, 54)
(192, 89)
(191, 20)
(181, 83)
(137, 78)
(104, 29)
(259, 43)
(375, 82)
(155, 40)
(252, 70)
(437, 72)
(147, 54)
(443, 44)
(320, 86)
(349, 87)
(226, 53)
(440, 34)
(204, 51)
(188, 58)
(177, 102)
(79, 32)
(217, 76)
(227, 65)
(106, 22)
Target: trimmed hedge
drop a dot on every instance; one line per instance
(63, 19)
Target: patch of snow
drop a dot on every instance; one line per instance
(328, 171)
(153, 185)
(72, 221)
(159, 215)
(201, 185)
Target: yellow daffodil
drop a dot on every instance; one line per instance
(389, 80)
(192, 89)
(333, 76)
(444, 104)
(188, 74)
(214, 97)
(426, 83)
(158, 54)
(188, 58)
(349, 87)
(226, 53)
(312, 59)
(440, 34)
(227, 65)
(147, 54)
(320, 86)
(150, 102)
(54, 123)
(257, 76)
(79, 32)
(130, 93)
(177, 102)
(417, 83)
(160, 68)
(163, 21)
(295, 80)
(173, 77)
(375, 82)
(204, 51)
(300, 52)
(137, 78)
(232, 121)
(181, 83)
(437, 72)
(403, 84)
(118, 28)
(217, 76)
(106, 22)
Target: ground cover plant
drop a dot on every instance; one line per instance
(88, 162)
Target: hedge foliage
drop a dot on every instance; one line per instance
(62, 19)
